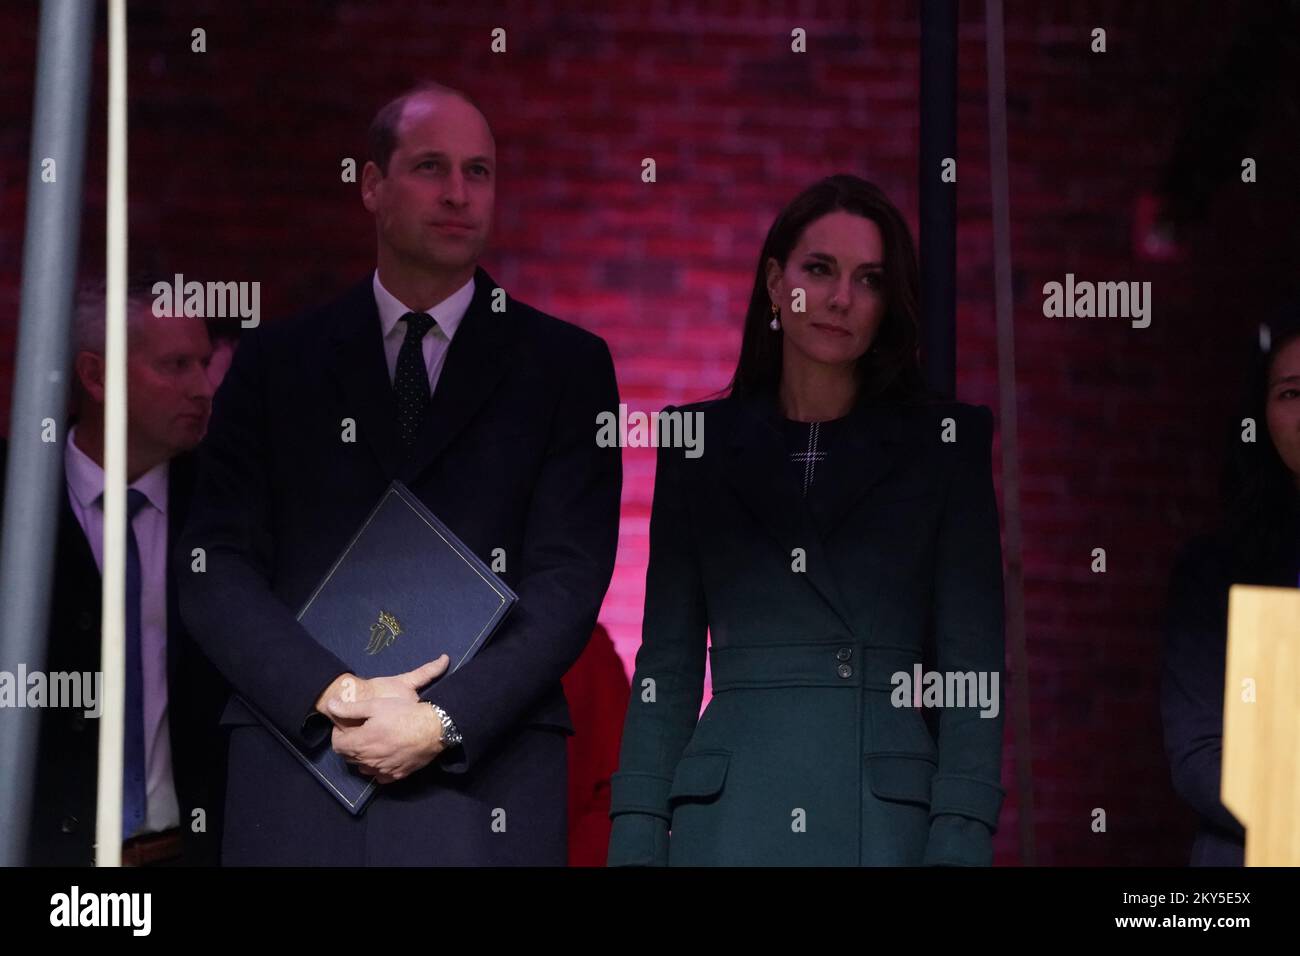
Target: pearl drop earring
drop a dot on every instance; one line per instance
(775, 324)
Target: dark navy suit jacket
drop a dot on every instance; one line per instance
(507, 458)
(1191, 697)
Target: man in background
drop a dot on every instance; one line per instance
(172, 775)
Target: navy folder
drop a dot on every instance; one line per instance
(404, 592)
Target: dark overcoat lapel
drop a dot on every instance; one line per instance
(475, 362)
(875, 442)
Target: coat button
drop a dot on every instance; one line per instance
(78, 722)
(845, 671)
(844, 653)
(84, 620)
(69, 824)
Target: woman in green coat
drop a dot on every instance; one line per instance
(834, 543)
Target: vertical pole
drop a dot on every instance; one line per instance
(1015, 589)
(108, 822)
(34, 472)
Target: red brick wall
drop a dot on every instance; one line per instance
(234, 174)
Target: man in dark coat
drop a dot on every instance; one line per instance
(486, 408)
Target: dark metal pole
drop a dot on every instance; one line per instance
(999, 182)
(938, 199)
(34, 476)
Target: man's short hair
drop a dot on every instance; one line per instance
(88, 319)
(88, 325)
(382, 136)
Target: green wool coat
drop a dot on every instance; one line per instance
(808, 608)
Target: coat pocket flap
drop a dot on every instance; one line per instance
(901, 776)
(700, 775)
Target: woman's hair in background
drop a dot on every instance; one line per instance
(1261, 506)
(890, 372)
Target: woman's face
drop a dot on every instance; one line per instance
(839, 263)
(1283, 406)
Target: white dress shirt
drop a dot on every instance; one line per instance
(85, 484)
(446, 315)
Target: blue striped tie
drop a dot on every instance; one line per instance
(135, 799)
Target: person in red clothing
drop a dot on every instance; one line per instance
(597, 689)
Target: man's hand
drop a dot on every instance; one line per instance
(349, 688)
(394, 738)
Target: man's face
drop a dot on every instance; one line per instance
(434, 207)
(168, 392)
(169, 395)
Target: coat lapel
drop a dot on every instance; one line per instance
(873, 446)
(77, 582)
(358, 364)
(474, 365)
(757, 471)
(180, 485)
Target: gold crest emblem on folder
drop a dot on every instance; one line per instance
(383, 632)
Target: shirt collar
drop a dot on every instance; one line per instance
(446, 313)
(86, 479)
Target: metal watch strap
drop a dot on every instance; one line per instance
(450, 735)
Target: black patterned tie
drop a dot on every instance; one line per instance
(411, 382)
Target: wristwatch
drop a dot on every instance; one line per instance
(450, 735)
